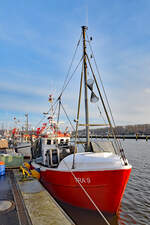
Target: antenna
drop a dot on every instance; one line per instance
(86, 10)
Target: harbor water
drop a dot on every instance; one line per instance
(135, 205)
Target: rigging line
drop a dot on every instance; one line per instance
(86, 193)
(109, 128)
(71, 77)
(67, 117)
(71, 64)
(78, 114)
(70, 121)
(55, 108)
(101, 115)
(103, 103)
(47, 127)
(58, 115)
(40, 121)
(64, 86)
(45, 115)
(103, 88)
(117, 142)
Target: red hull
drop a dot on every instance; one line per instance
(106, 188)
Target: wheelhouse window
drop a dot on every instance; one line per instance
(61, 141)
(48, 142)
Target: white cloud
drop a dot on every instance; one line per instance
(147, 91)
(20, 88)
(125, 71)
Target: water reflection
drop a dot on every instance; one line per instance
(87, 217)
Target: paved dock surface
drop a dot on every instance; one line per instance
(41, 207)
(30, 203)
(9, 216)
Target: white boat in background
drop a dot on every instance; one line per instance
(24, 148)
(20, 140)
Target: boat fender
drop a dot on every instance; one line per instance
(2, 168)
(27, 165)
(67, 150)
(36, 173)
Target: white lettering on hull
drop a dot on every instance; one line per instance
(82, 180)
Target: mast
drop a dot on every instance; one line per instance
(84, 28)
(27, 123)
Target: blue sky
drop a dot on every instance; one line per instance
(37, 41)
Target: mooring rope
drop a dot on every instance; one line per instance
(86, 193)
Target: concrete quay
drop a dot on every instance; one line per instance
(27, 202)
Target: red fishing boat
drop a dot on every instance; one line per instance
(94, 179)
